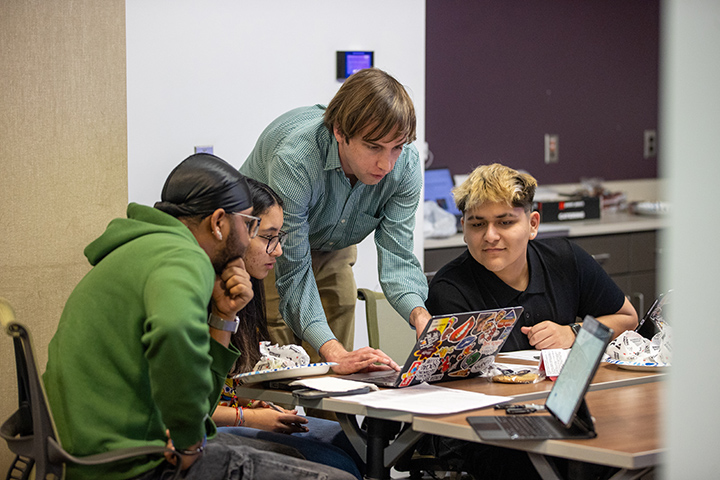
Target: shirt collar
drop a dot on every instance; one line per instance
(504, 293)
(332, 160)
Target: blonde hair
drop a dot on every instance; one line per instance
(497, 184)
(372, 98)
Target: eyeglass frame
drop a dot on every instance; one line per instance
(281, 236)
(254, 233)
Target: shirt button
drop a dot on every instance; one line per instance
(331, 243)
(342, 221)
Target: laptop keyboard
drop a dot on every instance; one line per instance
(388, 378)
(525, 426)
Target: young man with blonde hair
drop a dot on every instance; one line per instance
(504, 265)
(555, 280)
(343, 172)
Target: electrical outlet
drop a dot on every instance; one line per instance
(649, 144)
(551, 148)
(204, 149)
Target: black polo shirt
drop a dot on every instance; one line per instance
(565, 283)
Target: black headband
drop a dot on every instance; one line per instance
(201, 184)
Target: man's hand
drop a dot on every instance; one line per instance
(549, 334)
(419, 317)
(232, 290)
(363, 359)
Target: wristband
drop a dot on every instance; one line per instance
(239, 417)
(576, 328)
(222, 324)
(196, 451)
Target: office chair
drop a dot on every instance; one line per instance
(387, 330)
(30, 432)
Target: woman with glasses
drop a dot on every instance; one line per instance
(317, 439)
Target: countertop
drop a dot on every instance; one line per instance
(608, 224)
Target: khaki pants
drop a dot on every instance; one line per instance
(338, 293)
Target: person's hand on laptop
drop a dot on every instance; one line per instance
(419, 317)
(365, 359)
(549, 334)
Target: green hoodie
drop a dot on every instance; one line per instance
(132, 355)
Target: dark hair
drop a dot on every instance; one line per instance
(263, 197)
(201, 184)
(251, 331)
(253, 318)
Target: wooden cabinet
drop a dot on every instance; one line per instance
(631, 260)
(438, 257)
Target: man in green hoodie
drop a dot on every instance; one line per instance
(137, 360)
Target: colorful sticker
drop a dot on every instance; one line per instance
(483, 365)
(431, 337)
(470, 359)
(488, 331)
(468, 341)
(460, 373)
(481, 320)
(411, 372)
(445, 366)
(406, 381)
(506, 319)
(442, 324)
(450, 321)
(462, 330)
(490, 347)
(427, 369)
(446, 350)
(426, 352)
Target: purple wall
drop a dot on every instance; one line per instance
(501, 74)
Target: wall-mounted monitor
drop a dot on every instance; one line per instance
(350, 62)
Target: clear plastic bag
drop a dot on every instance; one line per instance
(439, 223)
(516, 374)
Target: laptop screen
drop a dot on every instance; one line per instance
(572, 383)
(438, 188)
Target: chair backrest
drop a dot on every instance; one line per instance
(387, 330)
(30, 432)
(28, 428)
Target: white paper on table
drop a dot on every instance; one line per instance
(553, 360)
(426, 399)
(521, 355)
(332, 384)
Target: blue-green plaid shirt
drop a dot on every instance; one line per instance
(298, 157)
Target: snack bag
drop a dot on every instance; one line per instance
(277, 356)
(516, 374)
(632, 347)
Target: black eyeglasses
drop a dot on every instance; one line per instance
(253, 223)
(274, 240)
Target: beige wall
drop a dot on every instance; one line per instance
(63, 157)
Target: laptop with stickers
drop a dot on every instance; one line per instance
(452, 347)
